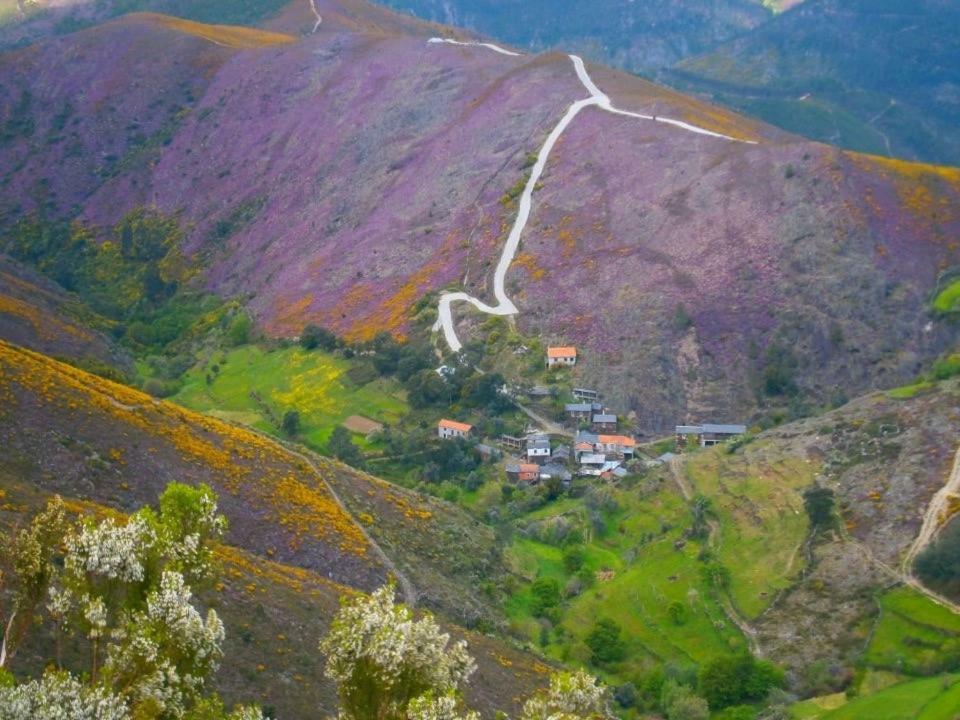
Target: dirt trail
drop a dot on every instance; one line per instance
(407, 588)
(713, 540)
(551, 428)
(933, 521)
(316, 14)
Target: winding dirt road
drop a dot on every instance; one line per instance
(316, 14)
(938, 511)
(597, 99)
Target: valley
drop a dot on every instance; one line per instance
(701, 437)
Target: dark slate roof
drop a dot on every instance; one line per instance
(725, 429)
(578, 407)
(604, 418)
(538, 441)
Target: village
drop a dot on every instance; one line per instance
(591, 443)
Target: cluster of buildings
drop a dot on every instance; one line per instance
(600, 451)
(539, 460)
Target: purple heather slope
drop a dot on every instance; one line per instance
(370, 168)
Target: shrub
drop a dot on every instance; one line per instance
(546, 595)
(734, 679)
(939, 563)
(573, 558)
(238, 333)
(605, 642)
(314, 336)
(291, 422)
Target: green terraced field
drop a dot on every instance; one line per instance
(759, 504)
(933, 698)
(314, 383)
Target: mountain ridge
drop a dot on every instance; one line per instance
(355, 208)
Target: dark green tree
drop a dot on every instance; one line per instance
(291, 422)
(605, 642)
(734, 679)
(341, 446)
(573, 558)
(819, 503)
(314, 336)
(546, 595)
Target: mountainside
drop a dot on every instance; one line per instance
(885, 456)
(36, 313)
(881, 77)
(635, 36)
(86, 437)
(343, 176)
(275, 615)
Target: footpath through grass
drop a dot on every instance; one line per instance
(638, 565)
(256, 387)
(757, 497)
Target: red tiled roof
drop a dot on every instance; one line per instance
(454, 425)
(561, 352)
(618, 439)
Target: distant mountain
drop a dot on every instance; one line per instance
(880, 76)
(346, 177)
(637, 36)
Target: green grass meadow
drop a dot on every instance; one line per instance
(313, 383)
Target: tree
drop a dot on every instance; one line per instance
(605, 642)
(939, 563)
(677, 612)
(486, 391)
(341, 446)
(291, 422)
(733, 679)
(546, 595)
(819, 502)
(383, 660)
(700, 508)
(573, 557)
(426, 388)
(121, 586)
(314, 336)
(571, 696)
(238, 332)
(679, 702)
(31, 559)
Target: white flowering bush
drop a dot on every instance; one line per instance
(438, 707)
(124, 587)
(60, 696)
(161, 656)
(571, 696)
(104, 551)
(383, 658)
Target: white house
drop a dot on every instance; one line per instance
(561, 356)
(538, 448)
(447, 429)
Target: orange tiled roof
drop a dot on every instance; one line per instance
(529, 467)
(454, 425)
(561, 352)
(619, 439)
